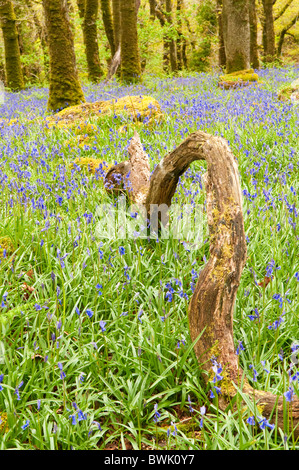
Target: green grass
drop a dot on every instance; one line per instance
(116, 376)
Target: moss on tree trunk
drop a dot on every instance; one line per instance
(130, 61)
(65, 89)
(268, 31)
(108, 24)
(116, 22)
(14, 75)
(91, 40)
(236, 33)
(254, 56)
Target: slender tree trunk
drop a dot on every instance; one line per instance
(13, 68)
(108, 24)
(180, 38)
(81, 8)
(268, 31)
(152, 4)
(236, 33)
(161, 17)
(41, 31)
(254, 56)
(130, 60)
(116, 22)
(65, 89)
(284, 31)
(91, 10)
(221, 48)
(170, 40)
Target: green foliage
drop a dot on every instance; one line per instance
(206, 28)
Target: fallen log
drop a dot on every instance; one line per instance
(211, 307)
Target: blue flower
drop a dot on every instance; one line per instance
(157, 415)
(89, 312)
(251, 420)
(121, 250)
(26, 425)
(102, 325)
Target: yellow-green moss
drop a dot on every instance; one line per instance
(3, 423)
(136, 108)
(6, 244)
(91, 164)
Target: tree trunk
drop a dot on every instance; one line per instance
(81, 8)
(161, 17)
(180, 38)
(13, 68)
(254, 56)
(91, 9)
(212, 304)
(130, 60)
(170, 39)
(108, 24)
(116, 22)
(221, 48)
(284, 31)
(65, 89)
(152, 4)
(268, 31)
(236, 33)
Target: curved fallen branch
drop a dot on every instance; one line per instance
(212, 304)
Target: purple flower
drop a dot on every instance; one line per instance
(26, 425)
(102, 325)
(89, 312)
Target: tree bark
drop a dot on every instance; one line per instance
(221, 47)
(152, 4)
(254, 56)
(236, 33)
(13, 67)
(91, 9)
(180, 39)
(116, 22)
(65, 89)
(170, 40)
(211, 307)
(108, 24)
(268, 31)
(130, 60)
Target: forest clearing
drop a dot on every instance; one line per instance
(149, 270)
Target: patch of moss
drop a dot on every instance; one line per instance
(137, 108)
(92, 164)
(6, 245)
(3, 423)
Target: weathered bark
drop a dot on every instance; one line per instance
(268, 31)
(108, 24)
(13, 68)
(221, 48)
(254, 55)
(284, 31)
(170, 40)
(91, 9)
(65, 89)
(211, 307)
(130, 60)
(236, 34)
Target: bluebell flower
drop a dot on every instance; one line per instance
(102, 325)
(89, 312)
(26, 425)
